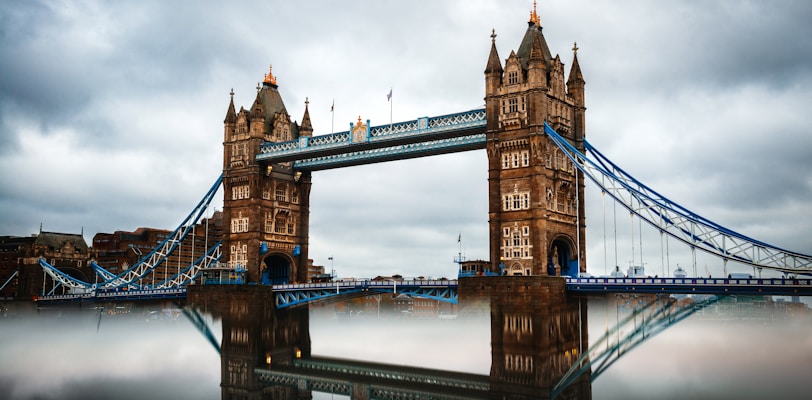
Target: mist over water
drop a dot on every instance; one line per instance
(748, 349)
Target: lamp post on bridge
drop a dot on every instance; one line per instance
(332, 268)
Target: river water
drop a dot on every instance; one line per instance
(737, 348)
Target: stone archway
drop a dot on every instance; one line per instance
(516, 269)
(562, 260)
(276, 270)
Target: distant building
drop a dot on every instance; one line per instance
(316, 273)
(68, 252)
(12, 251)
(118, 251)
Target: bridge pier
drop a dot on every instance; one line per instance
(533, 292)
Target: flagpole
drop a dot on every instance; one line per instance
(333, 117)
(390, 107)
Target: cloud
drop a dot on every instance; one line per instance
(111, 114)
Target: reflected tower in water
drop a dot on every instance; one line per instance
(537, 332)
(256, 335)
(536, 336)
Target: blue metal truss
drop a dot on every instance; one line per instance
(299, 294)
(399, 152)
(417, 138)
(677, 221)
(654, 317)
(202, 326)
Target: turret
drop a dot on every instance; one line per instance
(493, 71)
(230, 121)
(575, 83)
(575, 90)
(306, 129)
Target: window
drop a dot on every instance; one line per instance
(239, 149)
(280, 224)
(239, 255)
(281, 192)
(240, 192)
(516, 159)
(513, 105)
(513, 77)
(239, 224)
(516, 243)
(266, 193)
(268, 223)
(559, 159)
(294, 196)
(517, 201)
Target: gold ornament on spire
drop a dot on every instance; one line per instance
(534, 17)
(269, 78)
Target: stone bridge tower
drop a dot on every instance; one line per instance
(536, 199)
(266, 207)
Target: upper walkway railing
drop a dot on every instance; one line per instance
(420, 137)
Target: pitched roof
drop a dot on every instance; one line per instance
(533, 32)
(53, 240)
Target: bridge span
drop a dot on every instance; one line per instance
(446, 290)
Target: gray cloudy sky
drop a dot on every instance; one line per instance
(111, 113)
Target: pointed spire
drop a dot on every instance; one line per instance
(231, 115)
(257, 109)
(306, 128)
(494, 64)
(534, 17)
(269, 78)
(575, 71)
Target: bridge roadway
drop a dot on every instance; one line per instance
(446, 289)
(717, 286)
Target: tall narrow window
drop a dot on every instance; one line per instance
(281, 192)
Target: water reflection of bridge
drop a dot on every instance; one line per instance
(267, 352)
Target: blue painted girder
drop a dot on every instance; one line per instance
(299, 294)
(416, 138)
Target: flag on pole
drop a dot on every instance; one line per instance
(333, 106)
(459, 238)
(389, 96)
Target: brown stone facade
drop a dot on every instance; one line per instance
(266, 206)
(536, 202)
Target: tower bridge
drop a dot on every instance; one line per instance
(533, 129)
(536, 197)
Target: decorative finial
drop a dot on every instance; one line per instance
(575, 48)
(269, 78)
(359, 120)
(534, 17)
(307, 101)
(259, 87)
(231, 93)
(493, 35)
